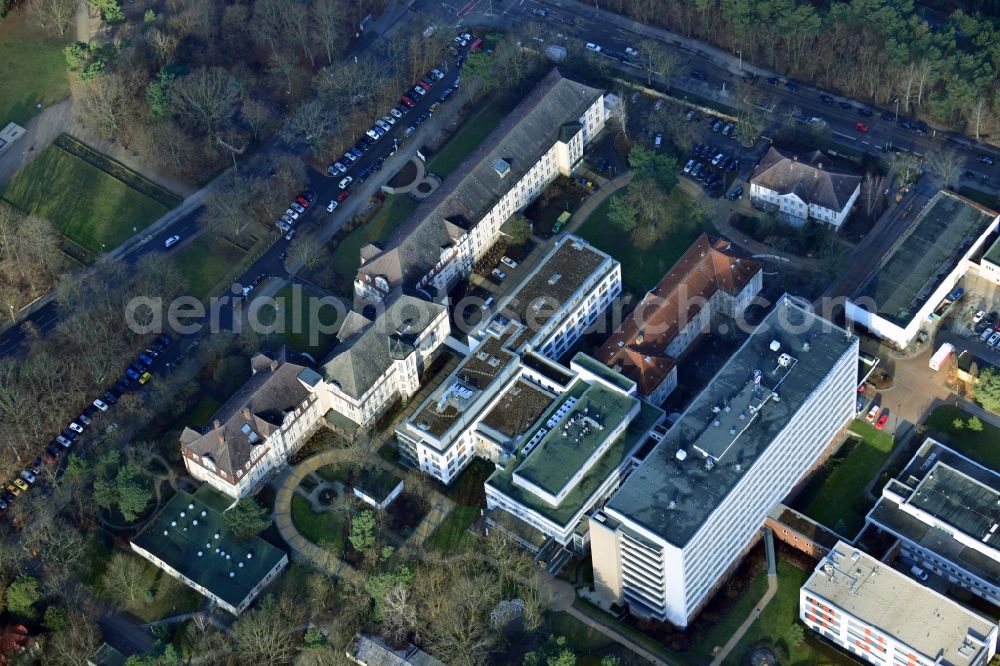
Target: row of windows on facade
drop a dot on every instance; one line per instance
(810, 421)
(940, 566)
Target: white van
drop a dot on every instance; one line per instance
(487, 303)
(918, 572)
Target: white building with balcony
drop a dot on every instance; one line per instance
(544, 315)
(379, 362)
(681, 521)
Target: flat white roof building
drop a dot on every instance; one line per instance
(544, 316)
(945, 510)
(682, 520)
(881, 615)
(924, 266)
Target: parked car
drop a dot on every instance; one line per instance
(297, 207)
(826, 99)
(100, 404)
(64, 441)
(698, 75)
(343, 195)
(284, 226)
(381, 124)
(109, 397)
(419, 91)
(498, 274)
(28, 476)
(985, 159)
(992, 342)
(336, 168)
(882, 421)
(865, 111)
(407, 102)
(507, 261)
(409, 130)
(347, 180)
(487, 303)
(690, 165)
(332, 206)
(84, 420)
(170, 242)
(591, 46)
(919, 573)
(736, 194)
(978, 317)
(131, 374)
(872, 413)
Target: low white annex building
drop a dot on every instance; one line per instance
(545, 315)
(928, 261)
(542, 138)
(887, 618)
(804, 187)
(682, 520)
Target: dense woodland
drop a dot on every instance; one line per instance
(942, 66)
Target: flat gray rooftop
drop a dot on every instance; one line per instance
(958, 493)
(900, 606)
(707, 431)
(547, 290)
(926, 252)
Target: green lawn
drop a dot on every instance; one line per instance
(320, 528)
(168, 596)
(641, 269)
(721, 632)
(32, 68)
(86, 205)
(982, 446)
(306, 324)
(468, 137)
(205, 261)
(775, 620)
(202, 411)
(837, 498)
(335, 473)
(346, 257)
(451, 535)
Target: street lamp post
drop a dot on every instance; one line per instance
(740, 52)
(897, 109)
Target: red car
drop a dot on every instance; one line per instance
(861, 127)
(407, 102)
(302, 201)
(343, 195)
(882, 421)
(423, 84)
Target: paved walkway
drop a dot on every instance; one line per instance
(591, 203)
(772, 589)
(617, 637)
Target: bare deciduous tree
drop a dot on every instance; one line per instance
(56, 16)
(871, 191)
(946, 163)
(208, 96)
(657, 59)
(105, 102)
(308, 124)
(267, 634)
(124, 578)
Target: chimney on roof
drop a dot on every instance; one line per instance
(246, 413)
(216, 424)
(274, 365)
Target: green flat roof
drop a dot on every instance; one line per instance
(191, 548)
(617, 453)
(609, 375)
(557, 457)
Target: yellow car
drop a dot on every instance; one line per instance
(13, 490)
(21, 483)
(145, 378)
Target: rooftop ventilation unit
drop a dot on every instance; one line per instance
(775, 345)
(502, 167)
(555, 278)
(784, 360)
(681, 455)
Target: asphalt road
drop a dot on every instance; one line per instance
(581, 23)
(271, 263)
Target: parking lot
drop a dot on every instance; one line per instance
(961, 327)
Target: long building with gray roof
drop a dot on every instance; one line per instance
(666, 539)
(540, 139)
